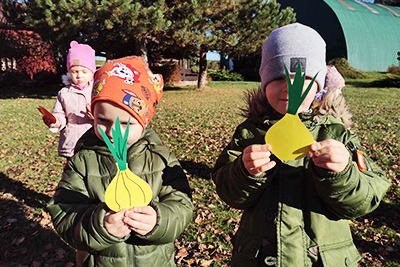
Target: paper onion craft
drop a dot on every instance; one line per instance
(289, 138)
(126, 189)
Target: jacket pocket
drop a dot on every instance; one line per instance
(154, 255)
(246, 248)
(340, 254)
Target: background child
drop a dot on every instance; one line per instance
(330, 99)
(143, 236)
(72, 100)
(295, 212)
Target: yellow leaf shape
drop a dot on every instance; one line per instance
(289, 138)
(126, 191)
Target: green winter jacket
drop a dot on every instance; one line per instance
(297, 214)
(77, 207)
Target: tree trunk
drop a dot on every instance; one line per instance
(109, 54)
(202, 81)
(141, 49)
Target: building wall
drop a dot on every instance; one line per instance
(8, 64)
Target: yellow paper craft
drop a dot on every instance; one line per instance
(126, 190)
(289, 138)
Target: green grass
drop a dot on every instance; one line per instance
(196, 125)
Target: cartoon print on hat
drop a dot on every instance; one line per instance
(146, 92)
(129, 83)
(126, 72)
(134, 102)
(156, 80)
(97, 87)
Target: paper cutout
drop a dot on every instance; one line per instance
(289, 138)
(126, 189)
(47, 114)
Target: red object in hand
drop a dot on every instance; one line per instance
(47, 114)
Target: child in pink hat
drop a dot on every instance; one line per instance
(72, 100)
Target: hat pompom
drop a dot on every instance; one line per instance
(73, 43)
(81, 55)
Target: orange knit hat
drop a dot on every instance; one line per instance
(129, 83)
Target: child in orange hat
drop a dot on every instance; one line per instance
(124, 90)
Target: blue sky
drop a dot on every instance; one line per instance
(213, 55)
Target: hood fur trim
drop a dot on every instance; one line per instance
(66, 79)
(258, 106)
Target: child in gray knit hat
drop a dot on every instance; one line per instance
(296, 212)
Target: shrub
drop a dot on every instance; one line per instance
(194, 64)
(394, 70)
(195, 69)
(12, 78)
(45, 77)
(213, 64)
(224, 75)
(346, 70)
(169, 71)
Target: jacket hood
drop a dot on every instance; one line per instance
(259, 110)
(66, 79)
(258, 106)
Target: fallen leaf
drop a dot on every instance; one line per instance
(18, 241)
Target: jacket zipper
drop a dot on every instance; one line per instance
(130, 256)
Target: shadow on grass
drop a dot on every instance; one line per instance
(199, 170)
(360, 83)
(180, 88)
(26, 235)
(376, 251)
(383, 83)
(51, 90)
(17, 189)
(29, 91)
(387, 215)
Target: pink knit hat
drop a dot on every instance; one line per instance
(81, 55)
(333, 79)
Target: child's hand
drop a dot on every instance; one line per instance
(256, 159)
(89, 111)
(114, 223)
(49, 124)
(330, 154)
(141, 219)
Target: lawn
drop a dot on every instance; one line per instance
(196, 125)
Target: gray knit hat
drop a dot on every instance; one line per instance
(292, 44)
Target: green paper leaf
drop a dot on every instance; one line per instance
(119, 149)
(295, 95)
